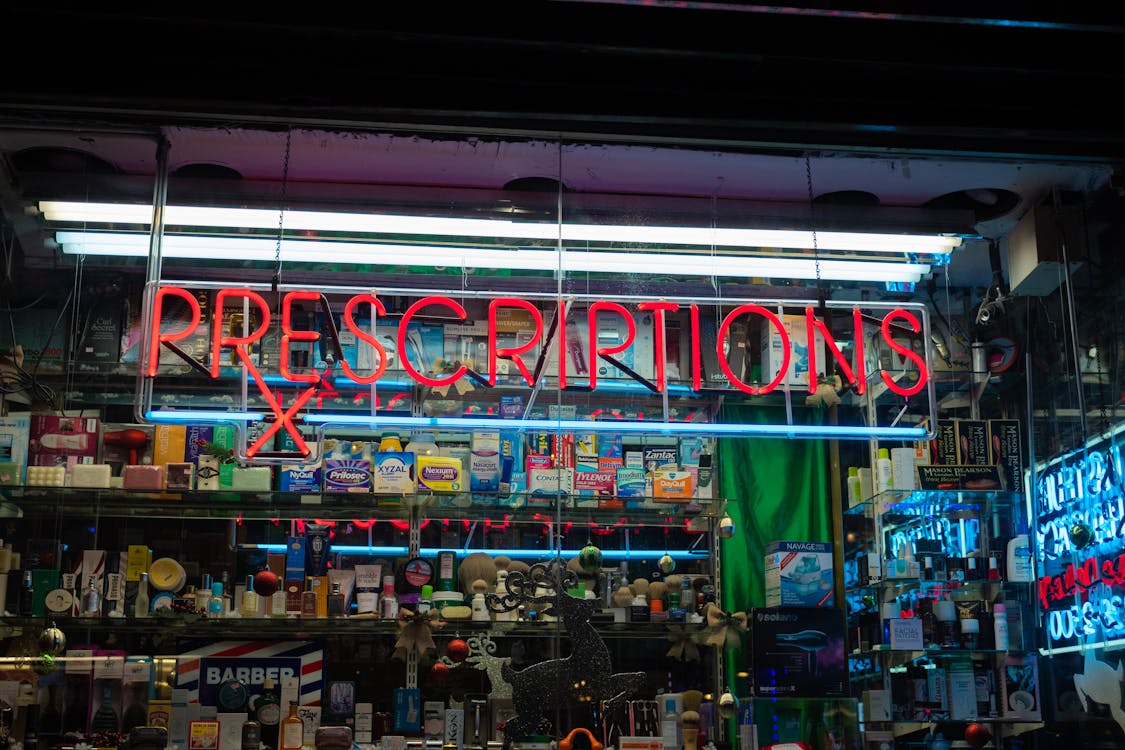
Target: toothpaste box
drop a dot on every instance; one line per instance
(392, 473)
(484, 461)
(297, 478)
(14, 435)
(586, 451)
(799, 574)
(609, 446)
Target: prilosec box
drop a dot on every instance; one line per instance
(799, 574)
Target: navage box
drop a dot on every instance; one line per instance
(799, 574)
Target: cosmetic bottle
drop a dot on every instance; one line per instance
(91, 599)
(336, 602)
(249, 605)
(216, 605)
(1000, 625)
(883, 471)
(308, 598)
(142, 602)
(388, 602)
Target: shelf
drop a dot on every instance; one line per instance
(928, 653)
(1009, 726)
(233, 627)
(51, 502)
(922, 503)
(953, 588)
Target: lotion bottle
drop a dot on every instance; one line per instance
(883, 471)
(1000, 625)
(1019, 559)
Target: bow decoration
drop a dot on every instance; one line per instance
(683, 644)
(723, 627)
(443, 366)
(414, 632)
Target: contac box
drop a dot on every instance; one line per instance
(799, 574)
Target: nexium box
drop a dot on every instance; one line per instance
(799, 574)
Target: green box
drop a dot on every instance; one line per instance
(43, 581)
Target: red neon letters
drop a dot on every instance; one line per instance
(601, 314)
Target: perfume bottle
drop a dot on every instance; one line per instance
(336, 602)
(292, 734)
(308, 598)
(250, 599)
(141, 604)
(216, 607)
(388, 602)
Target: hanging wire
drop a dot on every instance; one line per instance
(820, 295)
(281, 211)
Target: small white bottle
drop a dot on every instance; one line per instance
(501, 591)
(1000, 625)
(855, 491)
(883, 478)
(480, 608)
(142, 604)
(388, 602)
(1019, 560)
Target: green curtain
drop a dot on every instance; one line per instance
(776, 490)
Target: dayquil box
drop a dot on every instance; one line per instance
(439, 474)
(392, 473)
(799, 574)
(672, 486)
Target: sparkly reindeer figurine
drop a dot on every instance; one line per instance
(583, 677)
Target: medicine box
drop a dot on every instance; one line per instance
(773, 352)
(799, 574)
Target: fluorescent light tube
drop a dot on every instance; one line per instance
(325, 221)
(320, 251)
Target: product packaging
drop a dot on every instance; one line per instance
(1006, 438)
(15, 432)
(123, 443)
(797, 651)
(591, 488)
(347, 466)
(1019, 687)
(393, 473)
(62, 441)
(973, 443)
(799, 574)
(439, 474)
(484, 462)
(773, 352)
(298, 478)
(672, 486)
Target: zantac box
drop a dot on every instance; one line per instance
(799, 574)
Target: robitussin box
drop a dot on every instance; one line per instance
(797, 652)
(799, 574)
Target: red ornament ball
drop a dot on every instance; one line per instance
(977, 735)
(457, 650)
(440, 670)
(266, 583)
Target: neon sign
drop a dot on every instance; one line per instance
(1083, 596)
(902, 331)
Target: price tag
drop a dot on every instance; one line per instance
(137, 670)
(79, 661)
(109, 667)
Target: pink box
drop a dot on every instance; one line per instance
(62, 441)
(142, 477)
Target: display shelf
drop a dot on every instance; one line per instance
(288, 627)
(921, 503)
(50, 502)
(927, 653)
(1008, 727)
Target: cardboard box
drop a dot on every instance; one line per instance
(169, 444)
(799, 574)
(672, 486)
(974, 447)
(15, 433)
(484, 461)
(773, 354)
(1019, 687)
(943, 448)
(797, 652)
(1006, 439)
(62, 441)
(101, 338)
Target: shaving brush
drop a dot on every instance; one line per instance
(690, 718)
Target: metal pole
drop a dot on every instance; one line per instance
(143, 402)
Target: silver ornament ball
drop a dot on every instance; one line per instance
(726, 527)
(728, 706)
(667, 564)
(52, 641)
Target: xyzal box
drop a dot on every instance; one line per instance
(392, 473)
(798, 651)
(14, 434)
(799, 574)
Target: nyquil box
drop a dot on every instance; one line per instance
(297, 478)
(484, 462)
(799, 574)
(393, 473)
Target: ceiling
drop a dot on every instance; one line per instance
(942, 107)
